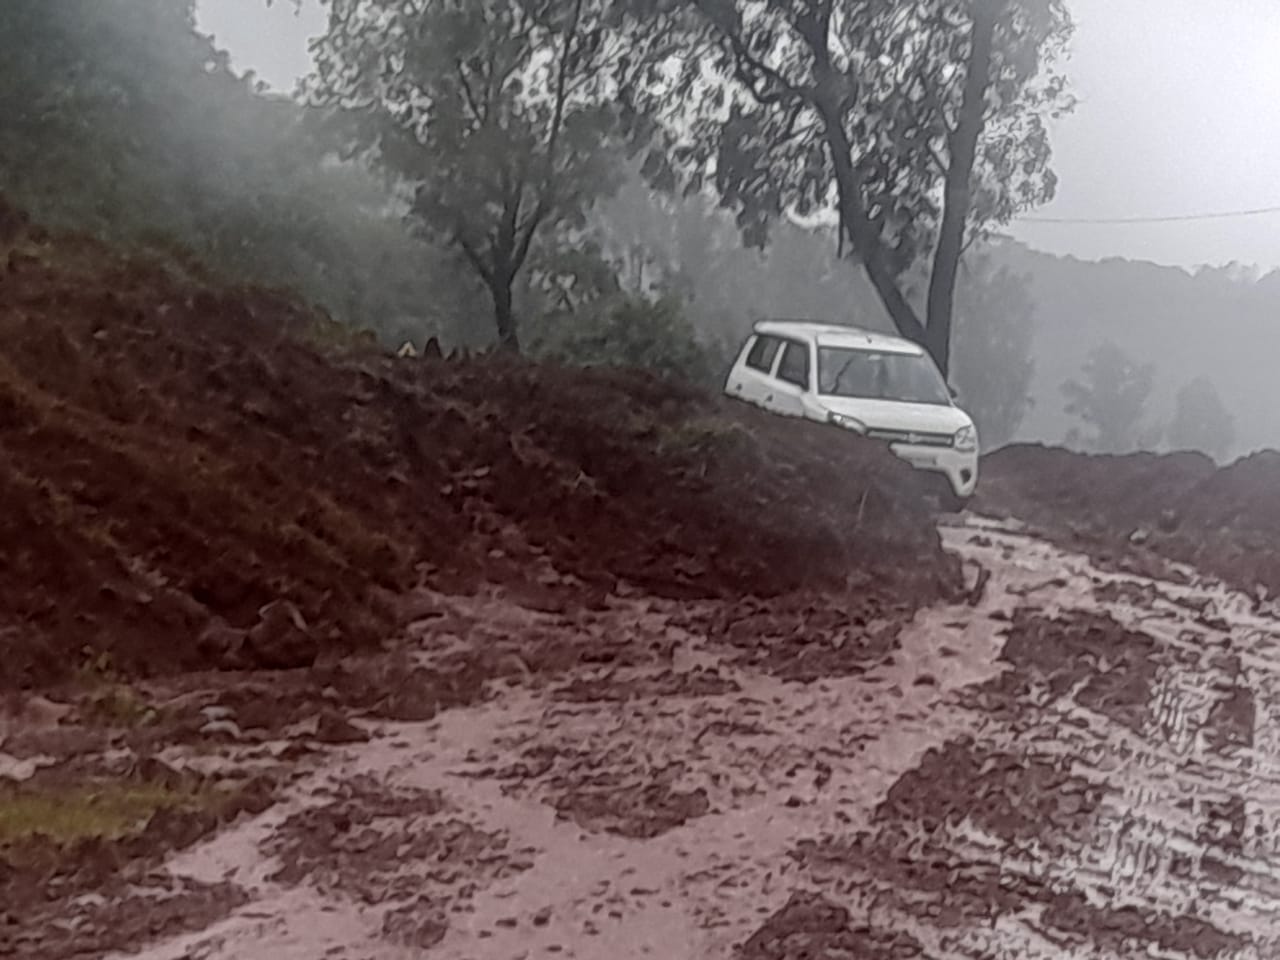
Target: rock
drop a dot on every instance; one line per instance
(409, 706)
(33, 713)
(223, 644)
(333, 727)
(281, 640)
(177, 609)
(224, 728)
(152, 770)
(18, 770)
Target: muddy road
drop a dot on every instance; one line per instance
(1077, 764)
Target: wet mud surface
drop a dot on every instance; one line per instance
(1079, 764)
(1145, 513)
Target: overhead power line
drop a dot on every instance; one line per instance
(1179, 218)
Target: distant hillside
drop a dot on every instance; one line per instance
(1220, 323)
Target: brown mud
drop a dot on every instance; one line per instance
(1145, 512)
(310, 652)
(1038, 775)
(201, 478)
(238, 538)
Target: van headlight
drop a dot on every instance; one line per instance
(849, 423)
(966, 439)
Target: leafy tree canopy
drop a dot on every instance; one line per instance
(921, 123)
(497, 115)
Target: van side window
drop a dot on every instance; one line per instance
(795, 364)
(762, 353)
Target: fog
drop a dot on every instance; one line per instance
(1175, 116)
(272, 41)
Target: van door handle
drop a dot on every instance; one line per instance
(769, 398)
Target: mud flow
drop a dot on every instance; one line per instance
(1068, 763)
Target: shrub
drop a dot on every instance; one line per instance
(628, 331)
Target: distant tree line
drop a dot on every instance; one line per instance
(1110, 401)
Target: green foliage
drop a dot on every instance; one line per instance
(865, 109)
(1110, 400)
(629, 331)
(687, 247)
(1201, 421)
(494, 114)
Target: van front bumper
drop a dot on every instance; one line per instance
(959, 467)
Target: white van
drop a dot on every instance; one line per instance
(882, 387)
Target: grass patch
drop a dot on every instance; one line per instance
(120, 705)
(108, 810)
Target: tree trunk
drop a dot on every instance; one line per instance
(962, 148)
(504, 315)
(863, 235)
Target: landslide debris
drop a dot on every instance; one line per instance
(197, 477)
(1135, 511)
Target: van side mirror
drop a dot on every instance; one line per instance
(955, 394)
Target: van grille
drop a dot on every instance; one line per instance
(915, 439)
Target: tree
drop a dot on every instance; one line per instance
(495, 114)
(1110, 400)
(686, 246)
(630, 331)
(1201, 421)
(920, 122)
(993, 365)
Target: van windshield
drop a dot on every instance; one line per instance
(874, 375)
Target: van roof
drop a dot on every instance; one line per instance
(838, 335)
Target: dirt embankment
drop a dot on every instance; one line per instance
(198, 478)
(1137, 510)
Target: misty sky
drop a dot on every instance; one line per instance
(1179, 114)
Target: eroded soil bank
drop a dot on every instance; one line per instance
(1147, 512)
(234, 536)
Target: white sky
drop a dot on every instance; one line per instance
(1179, 113)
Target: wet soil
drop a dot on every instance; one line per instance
(475, 659)
(1147, 513)
(1041, 774)
(200, 478)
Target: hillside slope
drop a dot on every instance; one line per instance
(175, 459)
(1217, 323)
